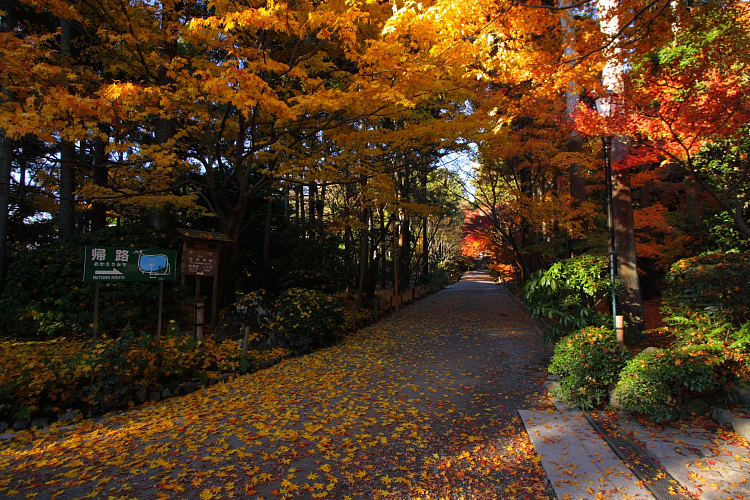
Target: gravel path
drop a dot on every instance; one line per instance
(422, 405)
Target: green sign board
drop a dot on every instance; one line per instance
(129, 264)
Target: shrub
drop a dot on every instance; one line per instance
(588, 362)
(309, 317)
(103, 375)
(44, 292)
(708, 299)
(656, 382)
(567, 293)
(716, 284)
(249, 310)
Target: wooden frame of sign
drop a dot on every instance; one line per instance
(200, 257)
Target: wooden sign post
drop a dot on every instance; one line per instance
(200, 257)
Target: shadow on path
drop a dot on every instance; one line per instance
(421, 405)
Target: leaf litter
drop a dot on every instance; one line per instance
(420, 406)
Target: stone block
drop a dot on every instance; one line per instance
(39, 423)
(742, 395)
(68, 417)
(742, 427)
(21, 424)
(721, 416)
(141, 394)
(696, 406)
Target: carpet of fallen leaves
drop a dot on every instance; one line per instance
(422, 405)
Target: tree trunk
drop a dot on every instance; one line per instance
(161, 216)
(67, 211)
(101, 174)
(631, 305)
(299, 207)
(575, 141)
(364, 240)
(404, 253)
(384, 270)
(312, 202)
(425, 274)
(267, 238)
(6, 153)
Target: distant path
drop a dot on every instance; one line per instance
(421, 405)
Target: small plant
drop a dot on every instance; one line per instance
(588, 362)
(656, 382)
(309, 317)
(567, 293)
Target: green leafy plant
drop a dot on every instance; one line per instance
(656, 382)
(708, 300)
(309, 317)
(588, 361)
(566, 294)
(44, 292)
(715, 284)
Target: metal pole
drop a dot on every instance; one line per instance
(611, 226)
(158, 321)
(96, 309)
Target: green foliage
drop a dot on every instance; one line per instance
(317, 262)
(441, 277)
(708, 298)
(311, 280)
(716, 284)
(44, 292)
(656, 381)
(309, 317)
(589, 361)
(566, 294)
(248, 310)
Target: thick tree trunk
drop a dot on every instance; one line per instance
(631, 305)
(161, 217)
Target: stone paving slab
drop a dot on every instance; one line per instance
(708, 465)
(578, 461)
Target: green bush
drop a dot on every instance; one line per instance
(716, 284)
(309, 317)
(656, 382)
(44, 292)
(566, 294)
(588, 362)
(708, 302)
